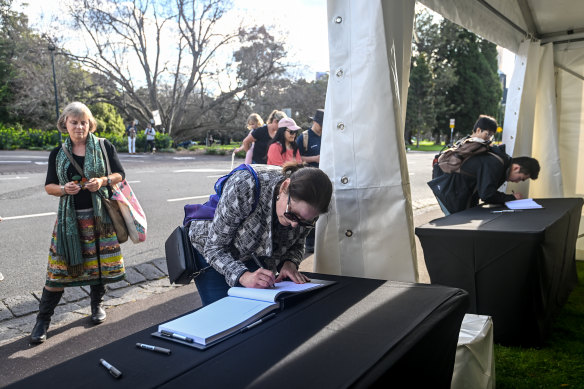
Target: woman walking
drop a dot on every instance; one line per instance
(84, 247)
(284, 147)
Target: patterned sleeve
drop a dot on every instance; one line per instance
(235, 204)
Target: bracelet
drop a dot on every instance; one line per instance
(63, 190)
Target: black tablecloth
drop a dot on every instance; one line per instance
(518, 267)
(355, 333)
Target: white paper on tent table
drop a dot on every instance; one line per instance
(523, 204)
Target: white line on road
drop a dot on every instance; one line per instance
(14, 178)
(30, 156)
(15, 161)
(27, 216)
(133, 182)
(41, 163)
(183, 158)
(188, 198)
(201, 171)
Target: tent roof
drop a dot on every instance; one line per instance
(507, 22)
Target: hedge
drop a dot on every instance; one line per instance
(12, 139)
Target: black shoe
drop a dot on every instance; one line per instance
(49, 301)
(98, 314)
(39, 332)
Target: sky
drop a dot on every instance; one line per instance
(302, 23)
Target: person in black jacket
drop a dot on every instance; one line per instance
(480, 178)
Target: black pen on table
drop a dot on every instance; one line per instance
(176, 336)
(161, 350)
(112, 370)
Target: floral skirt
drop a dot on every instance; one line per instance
(107, 268)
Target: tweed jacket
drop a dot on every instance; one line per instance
(237, 230)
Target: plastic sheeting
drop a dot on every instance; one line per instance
(474, 366)
(368, 231)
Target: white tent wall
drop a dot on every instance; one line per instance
(520, 109)
(368, 231)
(570, 109)
(545, 131)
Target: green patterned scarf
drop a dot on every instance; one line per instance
(68, 243)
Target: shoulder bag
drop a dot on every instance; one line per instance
(132, 212)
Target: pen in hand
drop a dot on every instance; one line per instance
(257, 261)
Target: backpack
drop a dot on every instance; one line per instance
(452, 159)
(206, 211)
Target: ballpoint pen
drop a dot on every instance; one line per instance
(257, 261)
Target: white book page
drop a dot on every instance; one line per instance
(271, 294)
(216, 318)
(522, 204)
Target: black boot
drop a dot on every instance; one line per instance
(49, 301)
(97, 312)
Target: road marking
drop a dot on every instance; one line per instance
(29, 156)
(27, 216)
(14, 178)
(133, 182)
(188, 198)
(201, 171)
(15, 161)
(41, 163)
(183, 158)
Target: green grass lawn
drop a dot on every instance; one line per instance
(560, 363)
(425, 145)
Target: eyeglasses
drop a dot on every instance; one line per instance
(294, 218)
(293, 132)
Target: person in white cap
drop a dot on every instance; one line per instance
(284, 147)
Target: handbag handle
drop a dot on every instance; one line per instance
(73, 162)
(106, 156)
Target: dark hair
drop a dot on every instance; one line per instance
(528, 166)
(486, 123)
(280, 138)
(309, 184)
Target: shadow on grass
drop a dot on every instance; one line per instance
(558, 364)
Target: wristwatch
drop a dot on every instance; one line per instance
(109, 181)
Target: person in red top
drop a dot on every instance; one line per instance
(284, 147)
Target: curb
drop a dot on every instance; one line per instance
(18, 314)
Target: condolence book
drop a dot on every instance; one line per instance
(240, 310)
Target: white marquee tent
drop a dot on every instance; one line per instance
(369, 231)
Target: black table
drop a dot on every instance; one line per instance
(518, 267)
(355, 333)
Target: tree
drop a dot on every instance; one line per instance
(463, 71)
(477, 89)
(129, 44)
(421, 116)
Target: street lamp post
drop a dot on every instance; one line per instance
(52, 50)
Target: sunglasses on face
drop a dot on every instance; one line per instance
(293, 132)
(294, 218)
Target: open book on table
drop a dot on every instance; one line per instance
(240, 310)
(523, 204)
